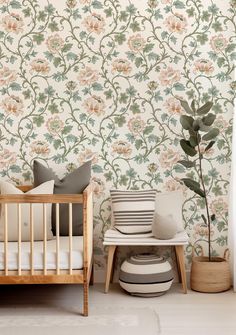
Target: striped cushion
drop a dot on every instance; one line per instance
(133, 211)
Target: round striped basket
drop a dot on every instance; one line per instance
(146, 275)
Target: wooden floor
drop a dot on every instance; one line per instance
(179, 314)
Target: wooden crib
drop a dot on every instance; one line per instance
(46, 276)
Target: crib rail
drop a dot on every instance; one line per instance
(45, 275)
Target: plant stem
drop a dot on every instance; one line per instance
(206, 202)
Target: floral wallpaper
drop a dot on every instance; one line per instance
(84, 79)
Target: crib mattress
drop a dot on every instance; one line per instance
(77, 254)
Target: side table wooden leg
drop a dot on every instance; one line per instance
(177, 267)
(111, 252)
(180, 256)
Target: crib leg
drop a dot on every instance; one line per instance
(86, 288)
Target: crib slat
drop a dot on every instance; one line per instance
(44, 239)
(19, 238)
(6, 239)
(57, 239)
(31, 239)
(70, 238)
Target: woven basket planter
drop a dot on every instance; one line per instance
(210, 277)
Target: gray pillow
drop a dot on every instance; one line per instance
(164, 227)
(74, 183)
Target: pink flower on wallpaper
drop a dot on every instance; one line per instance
(121, 148)
(122, 66)
(169, 76)
(39, 148)
(13, 23)
(207, 153)
(176, 23)
(40, 65)
(219, 207)
(88, 155)
(4, 1)
(12, 105)
(55, 125)
(203, 66)
(219, 43)
(94, 23)
(94, 105)
(168, 158)
(7, 76)
(98, 187)
(55, 43)
(173, 106)
(202, 231)
(88, 76)
(136, 125)
(136, 43)
(173, 185)
(7, 158)
(221, 123)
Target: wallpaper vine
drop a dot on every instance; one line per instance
(84, 79)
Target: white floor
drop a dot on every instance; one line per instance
(179, 314)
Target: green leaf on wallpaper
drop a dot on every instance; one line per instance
(131, 9)
(71, 56)
(123, 99)
(202, 38)
(38, 120)
(15, 4)
(135, 26)
(217, 26)
(135, 108)
(138, 61)
(59, 76)
(158, 15)
(120, 120)
(66, 130)
(233, 56)
(131, 173)
(26, 12)
(173, 39)
(231, 47)
(178, 4)
(97, 4)
(42, 16)
(131, 91)
(108, 176)
(120, 38)
(221, 61)
(97, 87)
(123, 16)
(15, 168)
(206, 16)
(97, 168)
(53, 108)
(15, 87)
(138, 144)
(108, 94)
(71, 138)
(56, 144)
(148, 47)
(49, 9)
(220, 144)
(48, 137)
(148, 130)
(38, 38)
(158, 96)
(67, 47)
(179, 87)
(53, 26)
(57, 61)
(108, 12)
(9, 121)
(179, 169)
(123, 180)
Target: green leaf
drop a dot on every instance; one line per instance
(205, 108)
(213, 217)
(204, 219)
(194, 186)
(39, 38)
(209, 119)
(120, 38)
(38, 120)
(186, 107)
(186, 122)
(187, 164)
(210, 145)
(211, 134)
(196, 124)
(187, 148)
(193, 140)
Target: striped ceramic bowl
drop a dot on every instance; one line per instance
(146, 275)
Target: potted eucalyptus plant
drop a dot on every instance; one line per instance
(208, 273)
